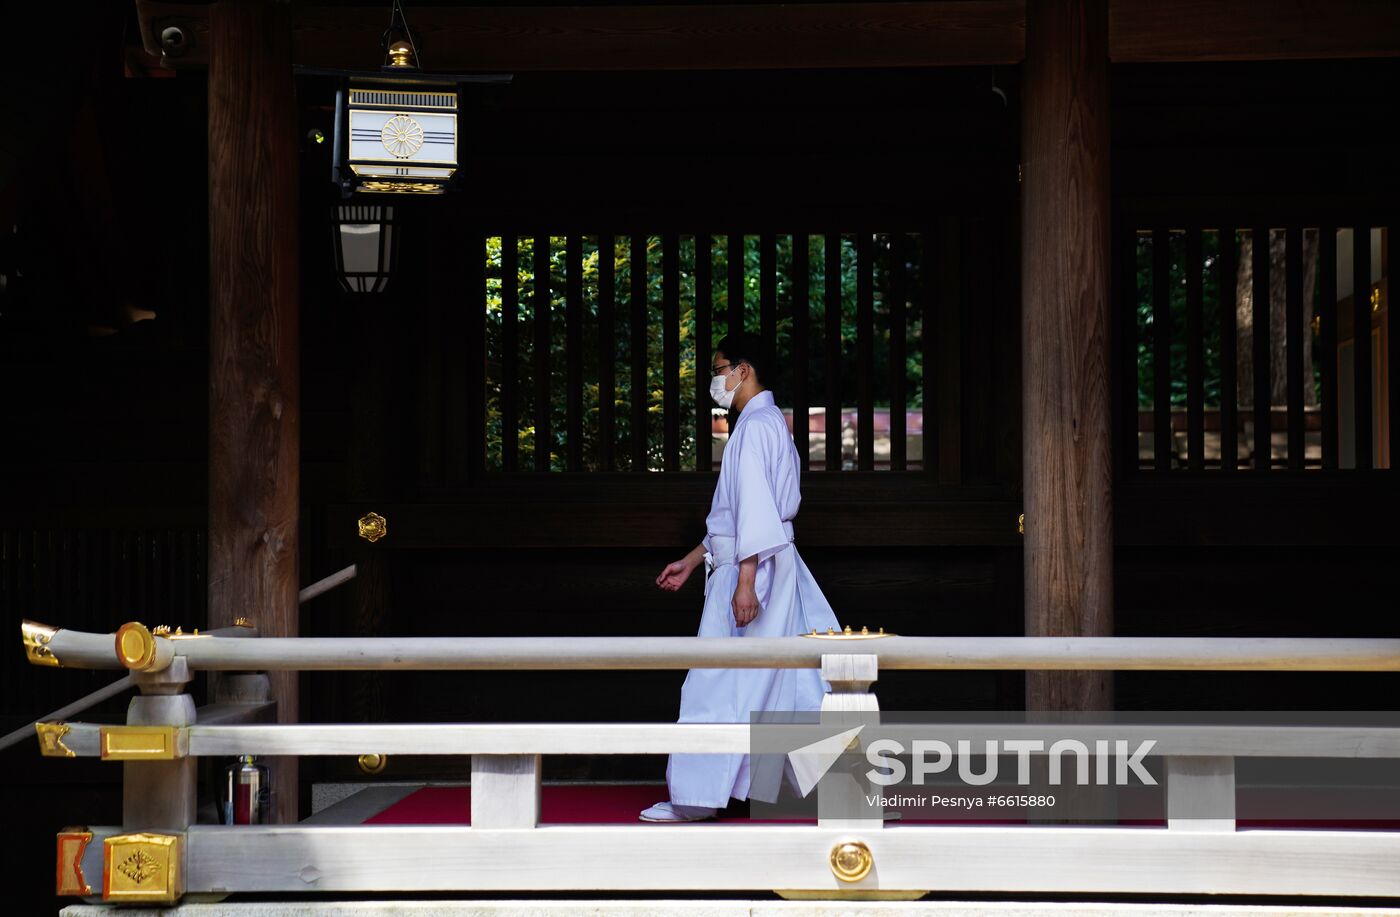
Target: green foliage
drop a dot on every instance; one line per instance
(523, 363)
(1210, 320)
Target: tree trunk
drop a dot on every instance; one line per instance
(1278, 319)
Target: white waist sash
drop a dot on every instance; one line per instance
(721, 551)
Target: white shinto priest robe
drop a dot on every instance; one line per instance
(754, 503)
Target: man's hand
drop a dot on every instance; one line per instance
(745, 603)
(675, 574)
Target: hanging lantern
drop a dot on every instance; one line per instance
(366, 246)
(396, 129)
(397, 133)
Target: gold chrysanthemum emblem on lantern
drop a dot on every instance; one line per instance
(402, 136)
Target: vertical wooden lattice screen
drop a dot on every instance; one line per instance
(598, 347)
(1241, 348)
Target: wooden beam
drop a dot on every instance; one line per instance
(1225, 282)
(1151, 31)
(831, 296)
(801, 329)
(573, 297)
(542, 321)
(956, 33)
(510, 350)
(629, 37)
(1065, 252)
(1161, 350)
(704, 340)
(1327, 340)
(671, 350)
(254, 386)
(638, 353)
(1195, 353)
(607, 352)
(865, 351)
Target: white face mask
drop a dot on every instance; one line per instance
(722, 396)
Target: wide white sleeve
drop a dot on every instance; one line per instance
(758, 524)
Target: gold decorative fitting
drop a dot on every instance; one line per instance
(138, 743)
(848, 634)
(181, 635)
(401, 187)
(851, 861)
(401, 55)
(136, 646)
(72, 844)
(1021, 524)
(373, 527)
(243, 622)
(142, 868)
(1376, 299)
(373, 765)
(36, 642)
(51, 740)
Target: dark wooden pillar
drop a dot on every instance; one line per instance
(254, 389)
(1066, 445)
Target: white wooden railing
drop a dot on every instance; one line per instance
(160, 854)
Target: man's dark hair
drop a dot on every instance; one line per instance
(746, 347)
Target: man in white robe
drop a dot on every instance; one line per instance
(756, 585)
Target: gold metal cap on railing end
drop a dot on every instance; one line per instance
(36, 642)
(136, 646)
(372, 765)
(51, 740)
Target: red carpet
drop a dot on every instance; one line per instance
(616, 805)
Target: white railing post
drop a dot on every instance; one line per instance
(505, 791)
(159, 794)
(843, 790)
(1200, 792)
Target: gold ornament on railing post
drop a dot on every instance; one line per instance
(848, 634)
(142, 868)
(72, 844)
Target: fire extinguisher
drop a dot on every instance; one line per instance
(247, 792)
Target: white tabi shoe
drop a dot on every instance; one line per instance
(666, 812)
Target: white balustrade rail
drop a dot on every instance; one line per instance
(505, 846)
(214, 653)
